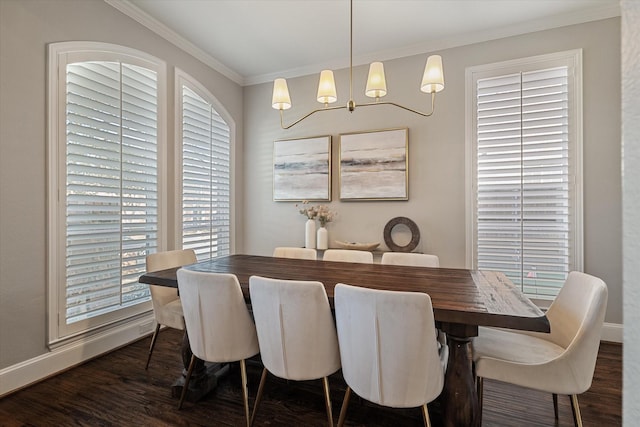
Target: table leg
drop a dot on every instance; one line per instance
(460, 398)
(204, 377)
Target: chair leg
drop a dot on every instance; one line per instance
(577, 419)
(555, 405)
(185, 387)
(343, 410)
(245, 391)
(425, 415)
(153, 344)
(327, 399)
(263, 379)
(480, 389)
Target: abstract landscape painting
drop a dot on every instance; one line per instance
(302, 169)
(374, 165)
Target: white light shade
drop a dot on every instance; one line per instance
(376, 83)
(433, 78)
(281, 99)
(327, 88)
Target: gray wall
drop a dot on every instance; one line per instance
(437, 151)
(26, 26)
(631, 202)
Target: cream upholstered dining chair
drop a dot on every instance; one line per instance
(348, 255)
(560, 362)
(388, 348)
(167, 308)
(415, 260)
(410, 259)
(300, 253)
(296, 332)
(218, 322)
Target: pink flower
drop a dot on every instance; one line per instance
(310, 212)
(325, 215)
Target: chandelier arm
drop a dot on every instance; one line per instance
(433, 98)
(338, 107)
(368, 104)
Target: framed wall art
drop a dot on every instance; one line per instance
(375, 165)
(302, 169)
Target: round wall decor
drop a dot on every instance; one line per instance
(415, 234)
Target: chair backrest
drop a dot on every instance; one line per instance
(348, 255)
(170, 259)
(162, 295)
(300, 253)
(218, 322)
(410, 259)
(576, 317)
(296, 331)
(388, 346)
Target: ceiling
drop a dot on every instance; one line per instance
(254, 41)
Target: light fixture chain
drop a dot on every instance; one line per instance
(351, 53)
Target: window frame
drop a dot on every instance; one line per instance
(58, 56)
(572, 59)
(182, 78)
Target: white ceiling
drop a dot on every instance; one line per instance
(253, 41)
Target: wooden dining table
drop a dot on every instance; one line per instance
(462, 301)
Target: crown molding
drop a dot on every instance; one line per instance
(129, 9)
(137, 14)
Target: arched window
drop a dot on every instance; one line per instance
(106, 139)
(204, 132)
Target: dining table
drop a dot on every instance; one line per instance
(462, 300)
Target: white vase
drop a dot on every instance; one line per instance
(323, 238)
(310, 234)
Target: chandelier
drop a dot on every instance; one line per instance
(432, 82)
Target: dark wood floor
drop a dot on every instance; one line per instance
(115, 390)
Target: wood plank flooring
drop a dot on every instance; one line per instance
(115, 390)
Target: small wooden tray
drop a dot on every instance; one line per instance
(358, 246)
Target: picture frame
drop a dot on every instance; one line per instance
(302, 169)
(374, 165)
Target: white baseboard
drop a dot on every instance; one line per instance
(612, 332)
(22, 374)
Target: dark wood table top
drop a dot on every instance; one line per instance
(459, 296)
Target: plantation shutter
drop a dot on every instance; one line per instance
(524, 199)
(206, 212)
(111, 185)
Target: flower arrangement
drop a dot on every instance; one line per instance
(325, 215)
(322, 212)
(309, 211)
